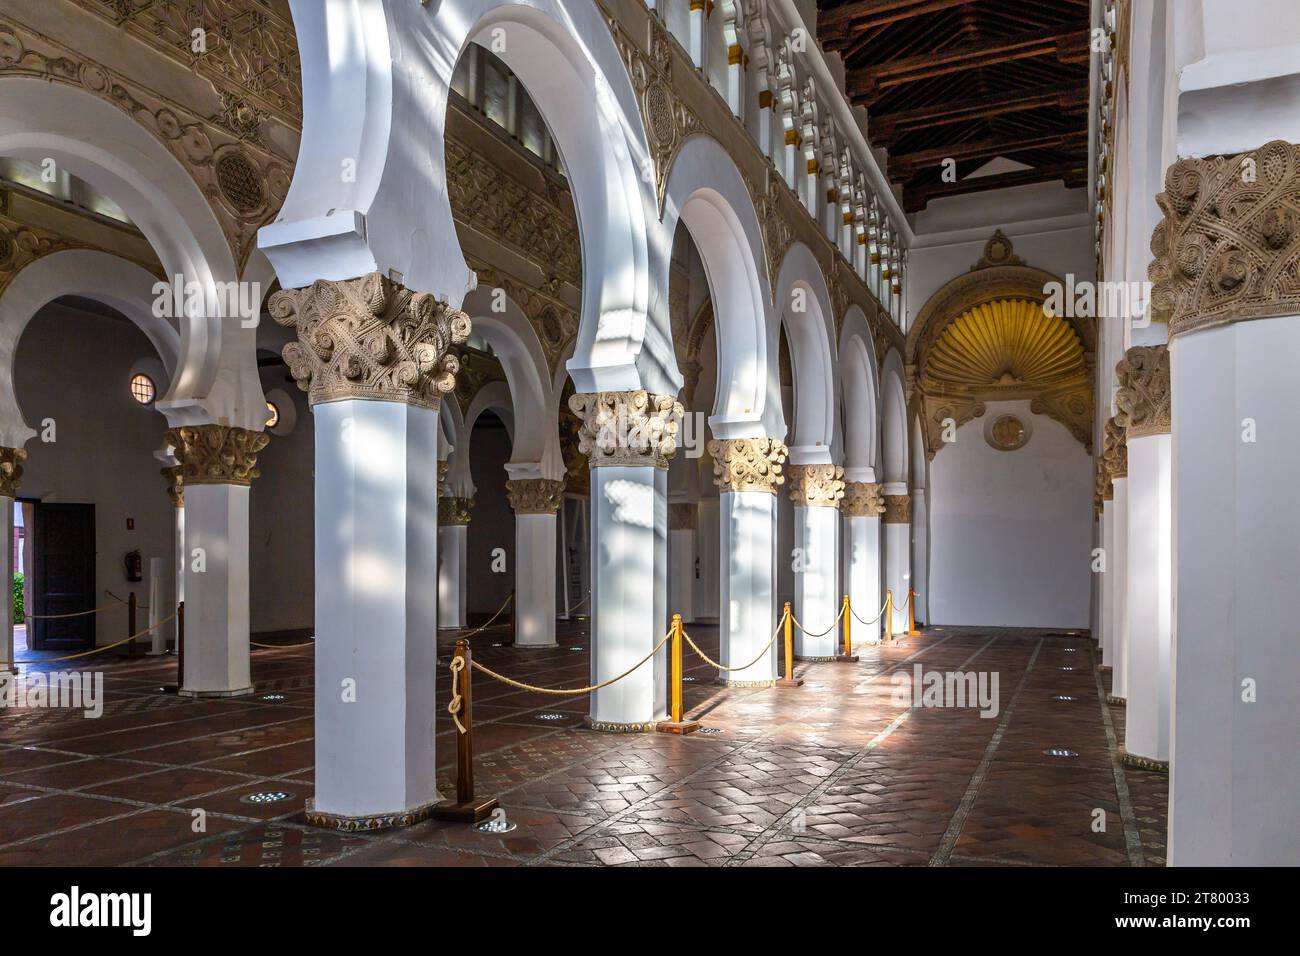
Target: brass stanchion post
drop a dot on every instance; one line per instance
(889, 615)
(911, 613)
(132, 609)
(848, 657)
(466, 808)
(676, 724)
(789, 680)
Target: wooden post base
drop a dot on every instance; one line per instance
(477, 809)
(677, 726)
(790, 682)
(846, 658)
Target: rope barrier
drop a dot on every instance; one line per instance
(722, 667)
(483, 627)
(96, 610)
(106, 647)
(809, 633)
(568, 691)
(457, 665)
(273, 647)
(142, 607)
(879, 614)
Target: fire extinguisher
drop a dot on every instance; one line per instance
(134, 566)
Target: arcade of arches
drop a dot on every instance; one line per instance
(361, 327)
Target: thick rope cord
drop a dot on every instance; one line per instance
(568, 691)
(483, 627)
(879, 614)
(457, 665)
(722, 667)
(834, 624)
(274, 647)
(142, 607)
(54, 617)
(106, 647)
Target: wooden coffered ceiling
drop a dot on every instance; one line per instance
(969, 80)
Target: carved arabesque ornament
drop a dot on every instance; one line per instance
(11, 470)
(454, 510)
(370, 338)
(216, 454)
(816, 486)
(175, 484)
(535, 496)
(863, 499)
(1144, 402)
(633, 428)
(1228, 248)
(748, 464)
(1114, 455)
(898, 509)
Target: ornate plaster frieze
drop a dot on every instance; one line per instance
(11, 470)
(863, 499)
(1104, 490)
(443, 467)
(816, 486)
(668, 120)
(748, 464)
(249, 53)
(943, 415)
(553, 319)
(370, 338)
(1144, 401)
(175, 484)
(898, 509)
(244, 182)
(775, 222)
(216, 454)
(682, 516)
(632, 428)
(535, 496)
(1226, 250)
(454, 511)
(477, 370)
(1114, 455)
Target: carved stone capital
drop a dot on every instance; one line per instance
(370, 338)
(681, 516)
(11, 470)
(452, 511)
(863, 499)
(748, 464)
(1144, 399)
(816, 486)
(898, 509)
(635, 428)
(535, 496)
(216, 454)
(1104, 490)
(1226, 249)
(175, 484)
(1114, 454)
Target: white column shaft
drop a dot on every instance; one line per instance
(1119, 591)
(748, 612)
(535, 580)
(921, 553)
(817, 596)
(7, 569)
(216, 591)
(862, 575)
(1106, 609)
(898, 539)
(376, 644)
(681, 573)
(453, 542)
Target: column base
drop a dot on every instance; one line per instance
(789, 682)
(1116, 701)
(677, 726)
(472, 812)
(620, 727)
(728, 682)
(183, 692)
(376, 821)
(1143, 763)
(845, 658)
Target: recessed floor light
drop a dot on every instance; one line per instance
(710, 730)
(575, 648)
(689, 680)
(266, 796)
(272, 698)
(1067, 668)
(550, 716)
(495, 825)
(1064, 697)
(1056, 752)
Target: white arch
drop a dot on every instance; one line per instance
(535, 450)
(811, 334)
(216, 377)
(366, 63)
(115, 282)
(706, 191)
(861, 405)
(893, 421)
(494, 397)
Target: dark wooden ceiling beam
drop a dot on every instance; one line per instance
(1068, 43)
(885, 128)
(905, 165)
(1074, 174)
(868, 14)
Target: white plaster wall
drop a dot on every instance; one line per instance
(1010, 532)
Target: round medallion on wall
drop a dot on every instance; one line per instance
(1006, 433)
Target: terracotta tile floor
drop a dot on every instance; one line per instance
(834, 773)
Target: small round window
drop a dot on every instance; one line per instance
(143, 389)
(272, 415)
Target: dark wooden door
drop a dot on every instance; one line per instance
(63, 536)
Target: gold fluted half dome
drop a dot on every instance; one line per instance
(1006, 342)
